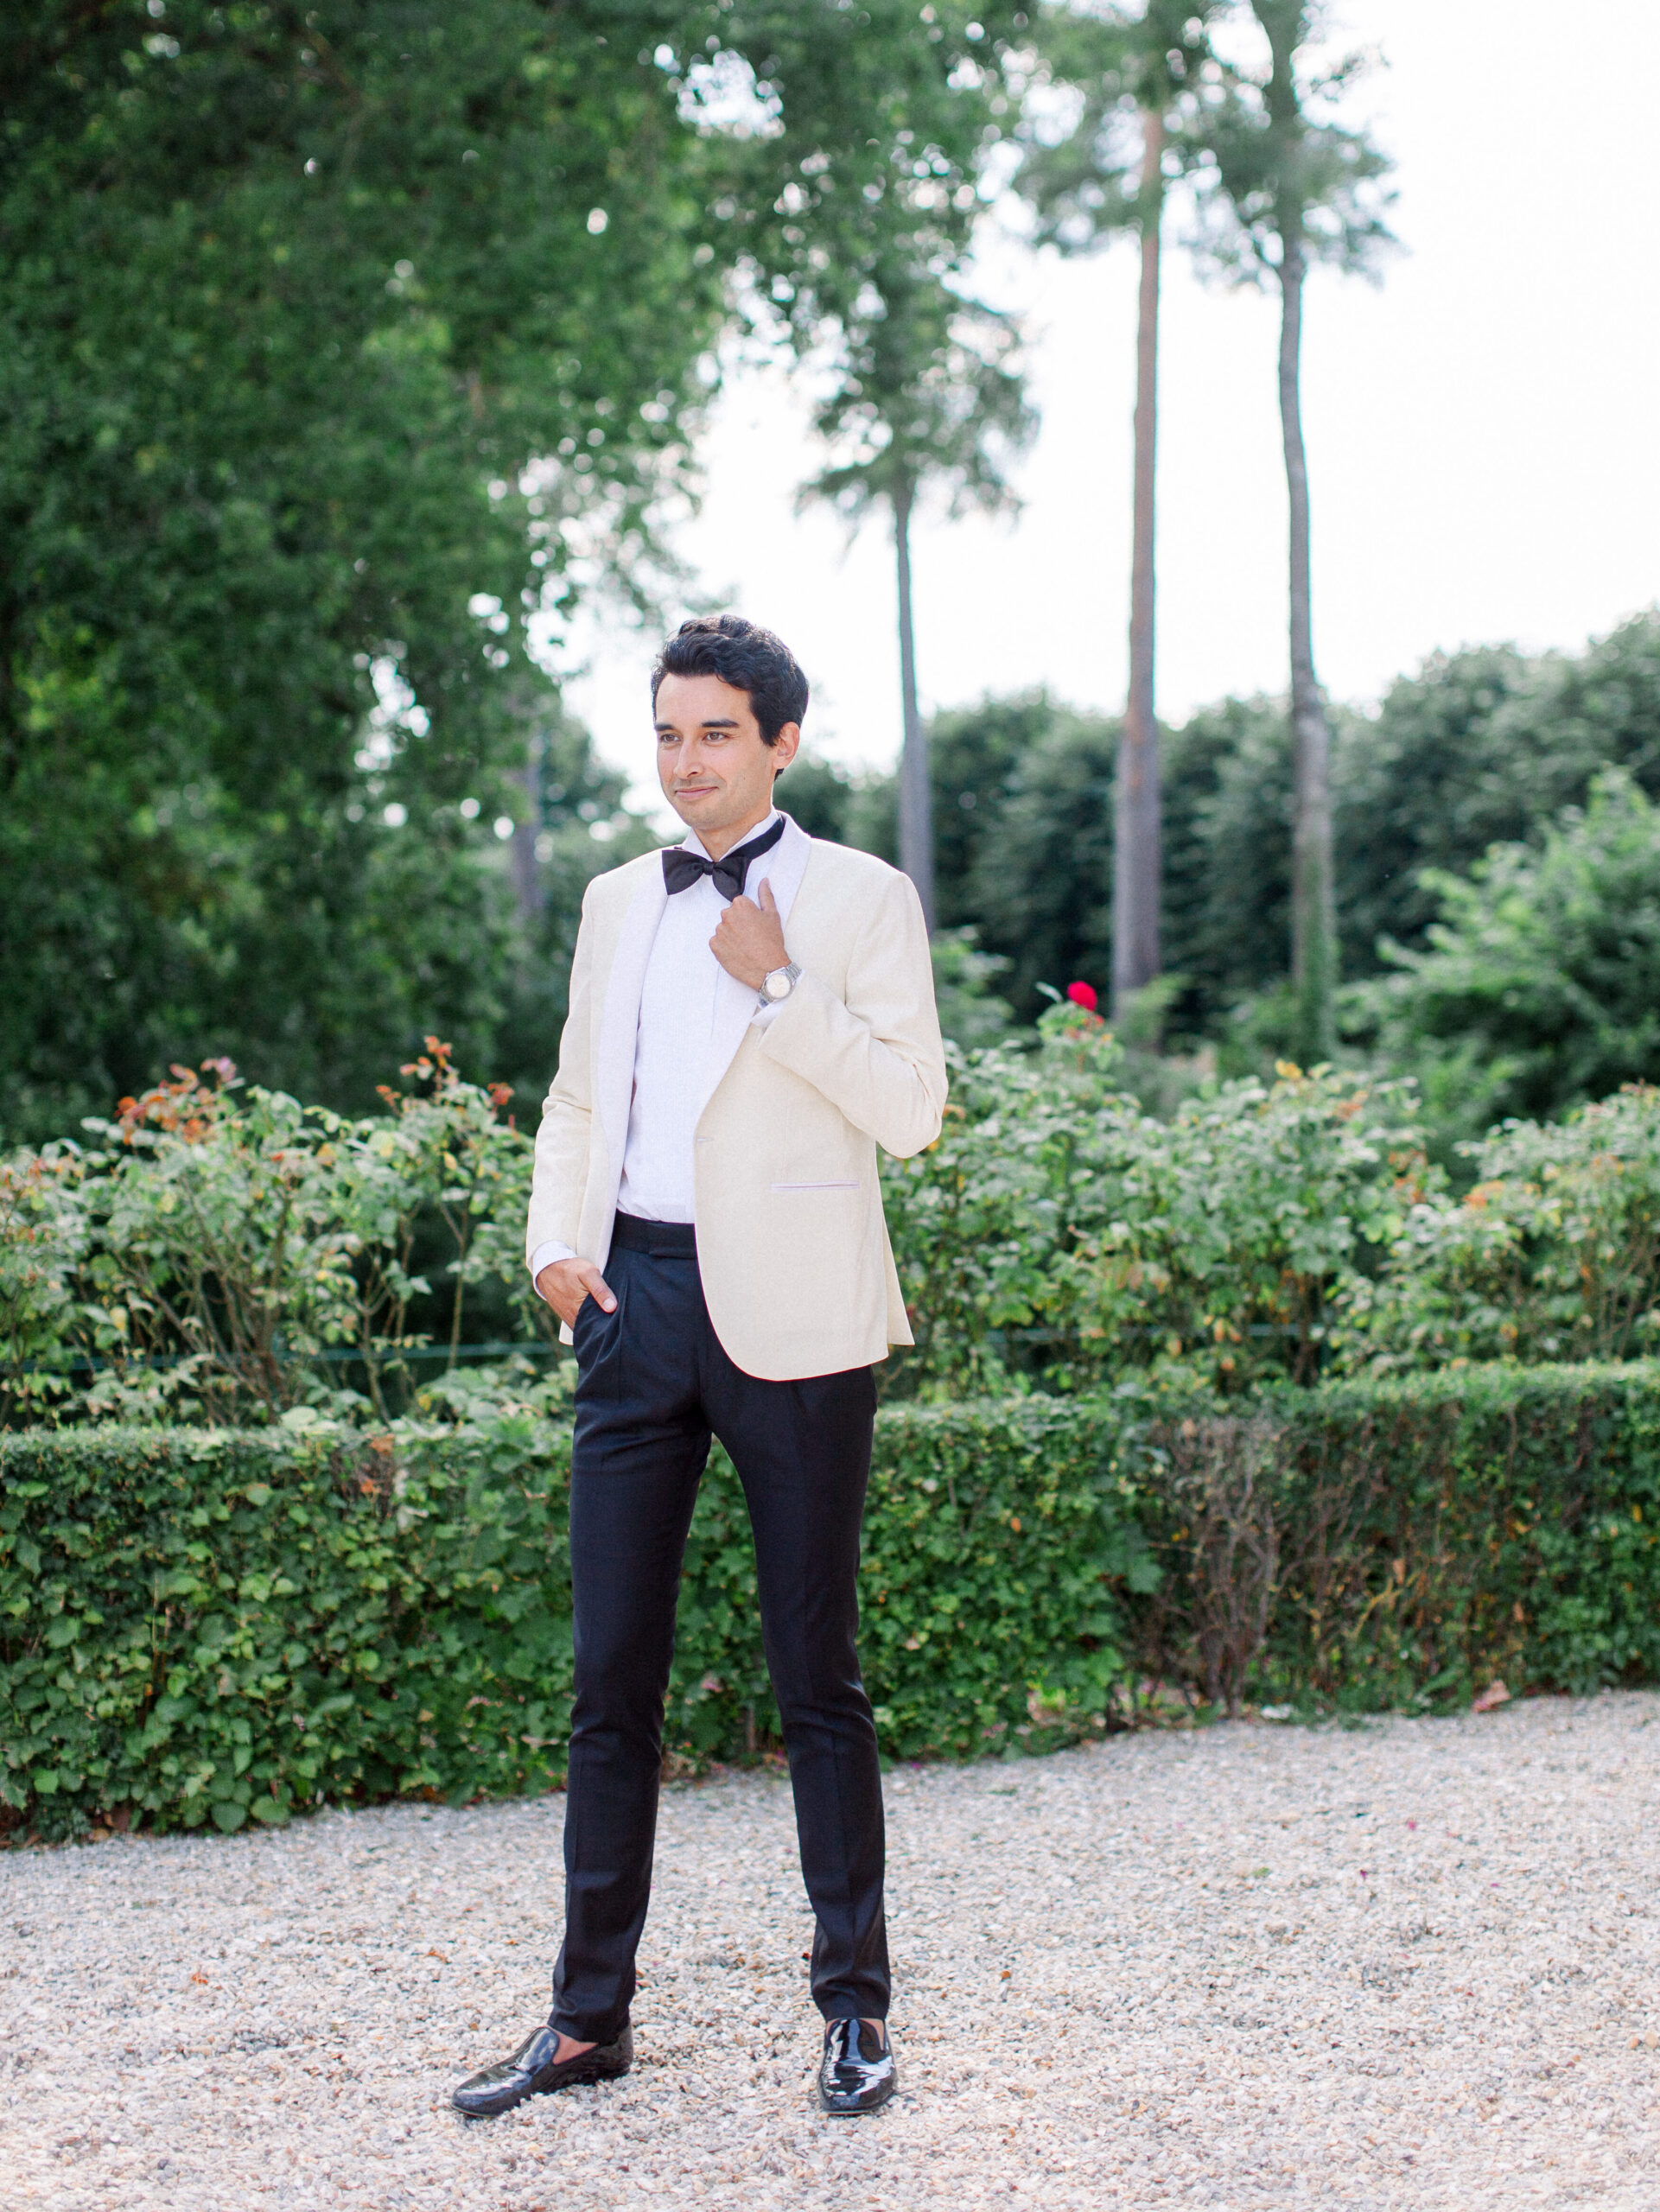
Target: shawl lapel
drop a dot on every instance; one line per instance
(613, 1071)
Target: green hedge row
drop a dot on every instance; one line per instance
(199, 1624)
(1439, 1531)
(202, 1625)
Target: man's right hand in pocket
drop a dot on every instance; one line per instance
(563, 1284)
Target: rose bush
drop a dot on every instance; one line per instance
(223, 1252)
(215, 1243)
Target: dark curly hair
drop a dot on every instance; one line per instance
(745, 656)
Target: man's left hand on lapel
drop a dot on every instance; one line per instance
(749, 940)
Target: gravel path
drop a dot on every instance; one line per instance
(1415, 1964)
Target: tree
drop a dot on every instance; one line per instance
(1146, 82)
(927, 393)
(336, 344)
(1292, 184)
(1540, 986)
(1475, 748)
(862, 254)
(1227, 876)
(1021, 791)
(292, 302)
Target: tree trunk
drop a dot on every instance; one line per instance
(1313, 940)
(1136, 827)
(529, 890)
(916, 796)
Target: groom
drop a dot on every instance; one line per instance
(752, 1014)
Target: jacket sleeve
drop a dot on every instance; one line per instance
(562, 1142)
(878, 1058)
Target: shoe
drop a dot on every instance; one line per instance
(856, 2073)
(532, 2071)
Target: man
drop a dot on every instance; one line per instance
(752, 1014)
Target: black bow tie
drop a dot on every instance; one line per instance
(681, 869)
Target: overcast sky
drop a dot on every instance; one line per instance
(1483, 429)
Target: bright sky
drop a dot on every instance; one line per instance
(1482, 432)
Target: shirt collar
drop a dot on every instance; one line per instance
(691, 842)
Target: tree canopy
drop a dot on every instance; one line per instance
(339, 347)
(1473, 748)
(1539, 988)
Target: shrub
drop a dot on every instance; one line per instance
(41, 1242)
(200, 1626)
(1398, 1542)
(220, 1239)
(1443, 1529)
(1554, 1254)
(225, 1624)
(1540, 986)
(1215, 1245)
(223, 1251)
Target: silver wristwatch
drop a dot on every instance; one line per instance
(778, 986)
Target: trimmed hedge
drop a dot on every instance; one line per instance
(1442, 1530)
(203, 1624)
(200, 1625)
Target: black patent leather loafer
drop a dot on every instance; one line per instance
(856, 2073)
(533, 2071)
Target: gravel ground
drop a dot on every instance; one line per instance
(1414, 1964)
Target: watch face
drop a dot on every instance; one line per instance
(777, 985)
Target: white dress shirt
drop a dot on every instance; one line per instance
(677, 1015)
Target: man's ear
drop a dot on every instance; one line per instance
(785, 745)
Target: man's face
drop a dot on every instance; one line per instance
(715, 770)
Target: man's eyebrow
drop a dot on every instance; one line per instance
(713, 721)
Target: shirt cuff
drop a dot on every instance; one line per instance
(548, 1256)
(765, 1015)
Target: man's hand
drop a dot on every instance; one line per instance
(749, 942)
(563, 1284)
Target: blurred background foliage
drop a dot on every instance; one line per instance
(222, 1253)
(1497, 867)
(405, 324)
(403, 320)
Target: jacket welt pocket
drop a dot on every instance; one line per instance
(849, 1183)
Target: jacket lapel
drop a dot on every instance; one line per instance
(735, 1005)
(613, 1071)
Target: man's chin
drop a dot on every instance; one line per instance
(697, 806)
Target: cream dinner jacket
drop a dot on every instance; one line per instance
(791, 1243)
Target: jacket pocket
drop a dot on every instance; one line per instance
(847, 1183)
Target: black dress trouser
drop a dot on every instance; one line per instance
(653, 1383)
